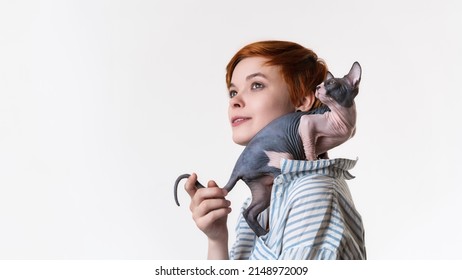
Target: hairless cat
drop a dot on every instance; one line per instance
(299, 136)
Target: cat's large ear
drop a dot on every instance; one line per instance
(329, 76)
(354, 76)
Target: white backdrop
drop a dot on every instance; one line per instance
(104, 103)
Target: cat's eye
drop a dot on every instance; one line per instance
(330, 82)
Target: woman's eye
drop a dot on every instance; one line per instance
(232, 93)
(257, 86)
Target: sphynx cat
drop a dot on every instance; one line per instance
(298, 136)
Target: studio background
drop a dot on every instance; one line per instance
(104, 103)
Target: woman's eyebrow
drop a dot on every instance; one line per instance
(258, 74)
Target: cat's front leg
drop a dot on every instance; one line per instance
(307, 132)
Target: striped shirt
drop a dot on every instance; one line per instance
(311, 216)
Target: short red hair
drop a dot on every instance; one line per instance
(301, 68)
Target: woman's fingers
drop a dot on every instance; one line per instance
(190, 185)
(203, 222)
(207, 206)
(199, 195)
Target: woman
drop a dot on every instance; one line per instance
(312, 215)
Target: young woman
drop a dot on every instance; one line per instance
(312, 215)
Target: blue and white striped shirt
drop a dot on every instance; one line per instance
(311, 216)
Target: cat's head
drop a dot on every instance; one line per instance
(341, 90)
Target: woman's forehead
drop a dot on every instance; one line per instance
(252, 67)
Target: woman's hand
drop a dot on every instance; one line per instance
(209, 209)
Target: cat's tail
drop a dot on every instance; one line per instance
(175, 187)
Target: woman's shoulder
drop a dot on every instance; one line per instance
(309, 188)
(306, 181)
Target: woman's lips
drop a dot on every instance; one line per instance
(238, 121)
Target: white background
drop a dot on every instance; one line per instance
(104, 103)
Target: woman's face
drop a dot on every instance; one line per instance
(258, 95)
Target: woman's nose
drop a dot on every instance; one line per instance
(237, 101)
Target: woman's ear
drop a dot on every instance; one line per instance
(307, 103)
